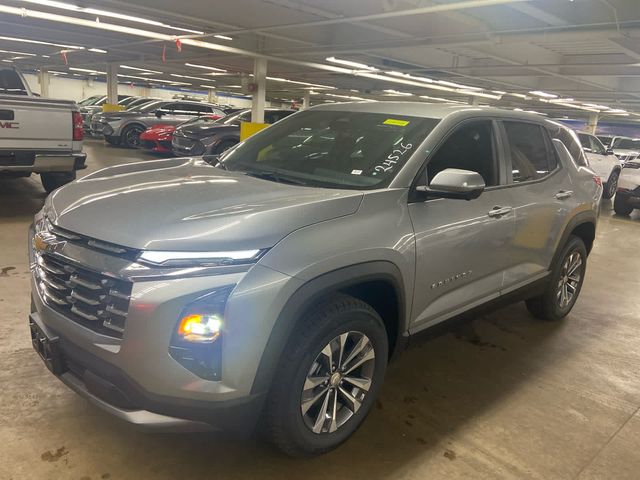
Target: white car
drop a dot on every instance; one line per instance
(628, 195)
(602, 162)
(626, 148)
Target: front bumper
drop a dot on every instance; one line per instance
(134, 377)
(112, 391)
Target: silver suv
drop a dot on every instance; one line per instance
(277, 283)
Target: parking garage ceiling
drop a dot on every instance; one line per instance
(559, 57)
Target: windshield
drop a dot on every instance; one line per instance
(90, 100)
(235, 118)
(154, 105)
(627, 144)
(332, 149)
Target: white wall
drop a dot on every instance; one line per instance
(65, 88)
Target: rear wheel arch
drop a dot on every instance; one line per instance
(378, 284)
(583, 225)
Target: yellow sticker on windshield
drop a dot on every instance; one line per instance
(398, 123)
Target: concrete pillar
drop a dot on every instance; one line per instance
(112, 83)
(260, 80)
(212, 97)
(306, 100)
(592, 126)
(474, 100)
(44, 79)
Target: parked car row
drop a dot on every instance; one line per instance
(624, 148)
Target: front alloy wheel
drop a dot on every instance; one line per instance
(338, 382)
(328, 376)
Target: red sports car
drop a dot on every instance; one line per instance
(158, 138)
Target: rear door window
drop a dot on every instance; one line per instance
(529, 150)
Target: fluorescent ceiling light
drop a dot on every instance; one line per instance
(105, 13)
(617, 111)
(205, 67)
(223, 37)
(7, 61)
(127, 67)
(232, 86)
(479, 94)
(571, 105)
(347, 97)
(594, 105)
(56, 72)
(456, 85)
(153, 80)
(349, 63)
(410, 77)
(87, 70)
(40, 42)
(97, 50)
(396, 93)
(519, 95)
(18, 53)
(314, 85)
(211, 87)
(439, 99)
(177, 75)
(498, 92)
(540, 93)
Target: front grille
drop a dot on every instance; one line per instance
(94, 300)
(92, 244)
(148, 144)
(165, 144)
(184, 143)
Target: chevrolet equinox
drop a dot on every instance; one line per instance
(273, 284)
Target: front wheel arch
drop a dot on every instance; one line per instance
(344, 280)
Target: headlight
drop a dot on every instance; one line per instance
(197, 341)
(191, 259)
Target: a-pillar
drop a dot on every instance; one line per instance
(44, 79)
(259, 95)
(112, 83)
(592, 126)
(306, 100)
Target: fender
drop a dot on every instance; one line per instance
(313, 291)
(586, 217)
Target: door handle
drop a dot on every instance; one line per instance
(564, 194)
(497, 212)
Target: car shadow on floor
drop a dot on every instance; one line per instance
(437, 386)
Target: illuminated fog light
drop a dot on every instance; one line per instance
(199, 328)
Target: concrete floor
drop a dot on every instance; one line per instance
(504, 396)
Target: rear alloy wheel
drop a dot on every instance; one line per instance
(565, 283)
(131, 136)
(622, 206)
(328, 377)
(611, 186)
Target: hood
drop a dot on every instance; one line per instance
(186, 204)
(203, 131)
(625, 152)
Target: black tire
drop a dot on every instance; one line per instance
(52, 180)
(115, 141)
(611, 186)
(622, 206)
(548, 306)
(130, 137)
(287, 427)
(223, 147)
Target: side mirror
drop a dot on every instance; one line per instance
(160, 113)
(587, 149)
(456, 184)
(211, 159)
(609, 151)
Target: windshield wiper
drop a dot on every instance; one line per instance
(274, 177)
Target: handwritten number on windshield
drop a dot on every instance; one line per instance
(393, 158)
